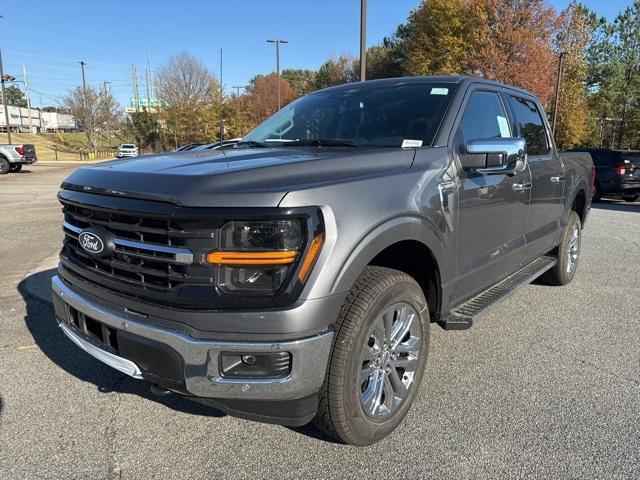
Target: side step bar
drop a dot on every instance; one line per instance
(463, 316)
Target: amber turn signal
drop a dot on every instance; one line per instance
(252, 258)
(312, 256)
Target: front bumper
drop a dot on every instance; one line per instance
(200, 358)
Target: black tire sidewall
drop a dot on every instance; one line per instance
(5, 166)
(366, 428)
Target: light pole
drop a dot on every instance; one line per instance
(5, 78)
(557, 101)
(363, 40)
(238, 87)
(277, 41)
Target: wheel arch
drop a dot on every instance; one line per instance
(408, 244)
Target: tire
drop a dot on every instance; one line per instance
(361, 401)
(568, 254)
(5, 166)
(597, 194)
(630, 198)
(16, 168)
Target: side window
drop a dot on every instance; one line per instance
(484, 117)
(531, 125)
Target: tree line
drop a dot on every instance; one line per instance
(518, 42)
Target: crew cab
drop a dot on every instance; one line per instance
(296, 276)
(14, 156)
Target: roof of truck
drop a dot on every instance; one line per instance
(454, 79)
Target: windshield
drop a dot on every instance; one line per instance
(127, 146)
(393, 116)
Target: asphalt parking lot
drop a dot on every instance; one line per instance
(545, 386)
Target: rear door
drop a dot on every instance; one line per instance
(492, 212)
(547, 176)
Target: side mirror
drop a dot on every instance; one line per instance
(495, 155)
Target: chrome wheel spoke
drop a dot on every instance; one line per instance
(409, 363)
(399, 387)
(366, 371)
(411, 345)
(373, 394)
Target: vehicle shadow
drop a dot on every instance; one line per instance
(40, 320)
(616, 205)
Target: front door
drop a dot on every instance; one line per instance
(492, 207)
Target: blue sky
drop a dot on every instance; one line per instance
(51, 37)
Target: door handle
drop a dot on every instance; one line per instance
(556, 179)
(521, 187)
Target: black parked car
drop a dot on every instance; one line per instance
(617, 173)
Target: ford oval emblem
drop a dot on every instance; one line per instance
(91, 242)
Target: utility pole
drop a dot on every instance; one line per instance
(238, 87)
(277, 41)
(150, 78)
(3, 78)
(221, 101)
(363, 40)
(26, 89)
(134, 76)
(104, 85)
(557, 101)
(84, 83)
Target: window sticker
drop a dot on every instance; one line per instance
(504, 127)
(439, 91)
(411, 143)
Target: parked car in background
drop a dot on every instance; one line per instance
(617, 173)
(216, 145)
(296, 277)
(14, 156)
(189, 146)
(127, 150)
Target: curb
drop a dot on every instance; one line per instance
(70, 162)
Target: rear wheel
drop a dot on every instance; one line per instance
(568, 254)
(16, 168)
(597, 194)
(377, 359)
(5, 166)
(630, 198)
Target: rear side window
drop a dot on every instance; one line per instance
(531, 125)
(484, 117)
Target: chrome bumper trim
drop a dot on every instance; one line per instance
(202, 375)
(119, 363)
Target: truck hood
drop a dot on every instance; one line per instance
(235, 178)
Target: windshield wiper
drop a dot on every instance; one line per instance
(320, 142)
(252, 143)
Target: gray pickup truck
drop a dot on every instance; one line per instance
(14, 156)
(295, 277)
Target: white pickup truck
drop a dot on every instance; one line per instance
(13, 156)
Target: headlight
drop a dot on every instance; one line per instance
(257, 257)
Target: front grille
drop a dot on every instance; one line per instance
(153, 257)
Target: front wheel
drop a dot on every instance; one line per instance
(378, 357)
(5, 166)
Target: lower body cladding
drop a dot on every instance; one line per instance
(275, 382)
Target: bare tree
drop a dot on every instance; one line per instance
(93, 111)
(190, 97)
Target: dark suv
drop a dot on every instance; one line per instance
(617, 173)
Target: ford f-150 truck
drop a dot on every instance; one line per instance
(13, 156)
(295, 277)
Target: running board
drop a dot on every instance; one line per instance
(463, 316)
